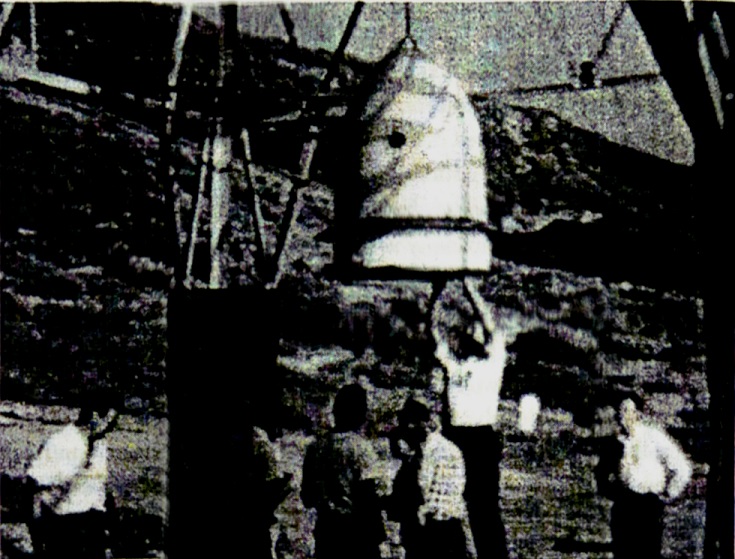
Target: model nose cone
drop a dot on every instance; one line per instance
(423, 171)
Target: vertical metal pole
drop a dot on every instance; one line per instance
(407, 17)
(253, 200)
(166, 171)
(671, 31)
(5, 15)
(219, 202)
(34, 40)
(178, 49)
(288, 24)
(198, 210)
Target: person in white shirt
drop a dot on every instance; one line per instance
(652, 461)
(70, 504)
(652, 469)
(471, 350)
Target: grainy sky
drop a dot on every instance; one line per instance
(500, 47)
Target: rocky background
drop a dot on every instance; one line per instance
(594, 275)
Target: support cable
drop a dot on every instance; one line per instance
(166, 147)
(288, 24)
(314, 129)
(5, 15)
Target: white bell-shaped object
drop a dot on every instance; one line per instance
(423, 172)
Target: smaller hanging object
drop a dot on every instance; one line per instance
(422, 201)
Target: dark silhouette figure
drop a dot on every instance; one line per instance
(336, 483)
(406, 498)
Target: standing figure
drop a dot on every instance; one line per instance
(427, 497)
(338, 483)
(473, 354)
(70, 507)
(647, 468)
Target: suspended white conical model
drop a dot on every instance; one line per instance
(423, 172)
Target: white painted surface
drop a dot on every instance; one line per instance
(437, 194)
(437, 169)
(428, 250)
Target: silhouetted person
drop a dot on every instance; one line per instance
(70, 507)
(427, 497)
(337, 483)
(406, 498)
(638, 471)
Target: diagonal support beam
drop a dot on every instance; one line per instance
(5, 15)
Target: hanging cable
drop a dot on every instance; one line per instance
(407, 7)
(339, 53)
(178, 47)
(32, 23)
(588, 68)
(349, 29)
(167, 144)
(288, 24)
(407, 36)
(609, 34)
